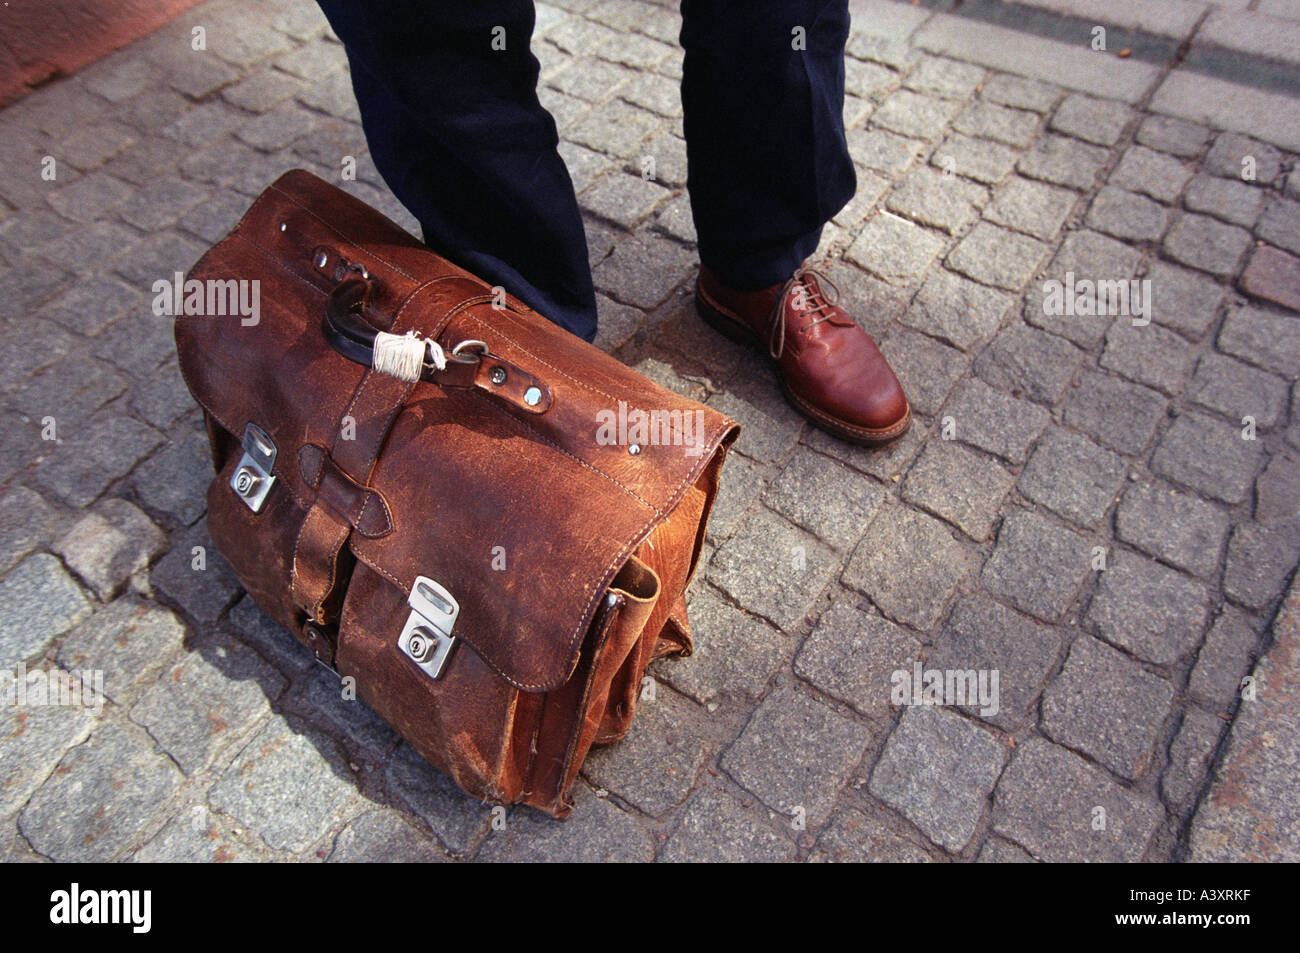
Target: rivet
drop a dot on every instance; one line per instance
(497, 375)
(284, 226)
(611, 600)
(323, 260)
(533, 396)
(634, 449)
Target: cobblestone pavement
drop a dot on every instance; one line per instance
(1081, 505)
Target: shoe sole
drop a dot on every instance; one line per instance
(718, 318)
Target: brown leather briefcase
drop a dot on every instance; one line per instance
(486, 522)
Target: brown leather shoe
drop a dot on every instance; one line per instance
(831, 370)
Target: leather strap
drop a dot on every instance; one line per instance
(364, 508)
(351, 335)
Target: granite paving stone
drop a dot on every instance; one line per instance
(383, 837)
(926, 368)
(772, 567)
(1147, 354)
(1207, 244)
(196, 576)
(1127, 215)
(643, 270)
(1186, 301)
(983, 635)
(917, 592)
(1072, 477)
(206, 700)
(1260, 560)
(1063, 809)
(196, 836)
(796, 753)
(101, 799)
(939, 769)
(109, 544)
(1037, 565)
(1280, 224)
(957, 310)
(655, 766)
(321, 696)
(958, 485)
(598, 831)
(458, 820)
(27, 522)
(1063, 161)
(89, 459)
(1029, 362)
(1232, 201)
(1189, 756)
(852, 655)
(716, 828)
(1172, 135)
(1148, 609)
(1234, 155)
(853, 837)
(129, 641)
(895, 249)
(881, 150)
(735, 653)
(1151, 173)
(1098, 121)
(289, 787)
(1224, 660)
(1277, 491)
(1238, 390)
(34, 738)
(995, 421)
(996, 256)
(978, 159)
(913, 114)
(1208, 455)
(1020, 93)
(950, 79)
(1265, 338)
(1174, 526)
(1088, 256)
(1032, 207)
(1274, 276)
(38, 601)
(932, 197)
(985, 120)
(825, 498)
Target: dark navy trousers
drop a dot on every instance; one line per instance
(456, 129)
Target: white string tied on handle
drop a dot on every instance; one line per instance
(402, 355)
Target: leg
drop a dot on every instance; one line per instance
(456, 129)
(768, 162)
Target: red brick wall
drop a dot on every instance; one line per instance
(43, 39)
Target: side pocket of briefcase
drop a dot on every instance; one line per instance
(571, 716)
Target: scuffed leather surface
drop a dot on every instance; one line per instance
(440, 482)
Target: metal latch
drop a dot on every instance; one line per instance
(427, 638)
(252, 478)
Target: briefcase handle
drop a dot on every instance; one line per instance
(411, 358)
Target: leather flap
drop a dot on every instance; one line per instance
(525, 518)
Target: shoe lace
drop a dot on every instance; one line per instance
(816, 302)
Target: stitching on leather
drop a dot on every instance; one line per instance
(544, 363)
